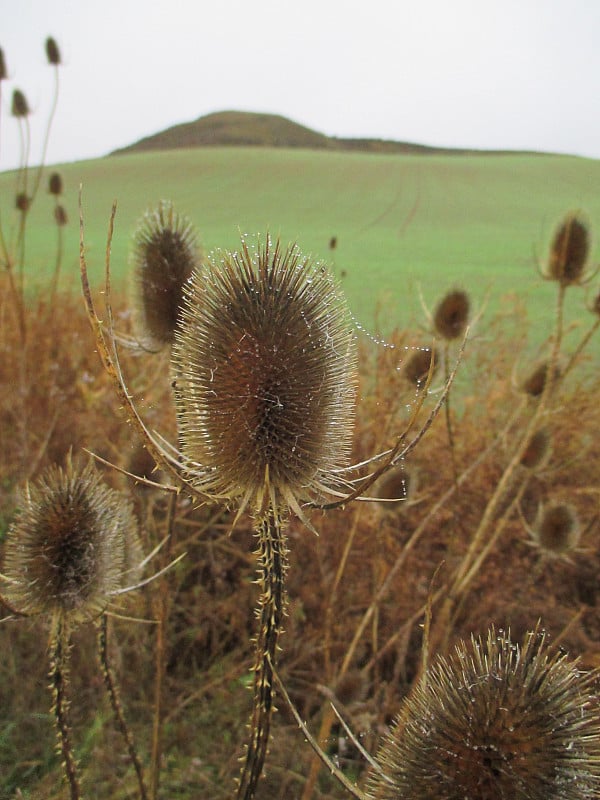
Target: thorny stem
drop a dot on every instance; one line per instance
(59, 681)
(115, 701)
(273, 563)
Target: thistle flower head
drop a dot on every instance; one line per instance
(569, 250)
(265, 370)
(557, 530)
(52, 51)
(165, 253)
(495, 721)
(65, 551)
(20, 106)
(452, 315)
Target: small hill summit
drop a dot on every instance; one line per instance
(246, 128)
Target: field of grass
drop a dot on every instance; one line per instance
(401, 222)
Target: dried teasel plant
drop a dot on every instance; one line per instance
(495, 720)
(71, 550)
(556, 531)
(451, 316)
(264, 376)
(165, 253)
(569, 252)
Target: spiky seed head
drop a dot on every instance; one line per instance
(399, 483)
(52, 51)
(65, 551)
(3, 72)
(60, 216)
(265, 369)
(569, 250)
(20, 106)
(416, 368)
(557, 530)
(55, 184)
(535, 383)
(165, 252)
(495, 721)
(22, 202)
(333, 243)
(452, 315)
(537, 450)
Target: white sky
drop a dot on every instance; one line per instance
(514, 74)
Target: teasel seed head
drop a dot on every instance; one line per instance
(3, 72)
(265, 370)
(452, 315)
(416, 368)
(535, 383)
(55, 184)
(399, 483)
(60, 215)
(569, 250)
(52, 51)
(495, 721)
(538, 449)
(65, 551)
(164, 255)
(22, 202)
(20, 106)
(557, 530)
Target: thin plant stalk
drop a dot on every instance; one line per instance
(59, 683)
(115, 702)
(160, 657)
(273, 563)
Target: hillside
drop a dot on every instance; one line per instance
(246, 128)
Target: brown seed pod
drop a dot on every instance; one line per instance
(265, 372)
(55, 183)
(60, 216)
(495, 721)
(537, 451)
(333, 243)
(22, 202)
(535, 383)
(416, 368)
(20, 106)
(164, 255)
(3, 72)
(452, 315)
(65, 551)
(52, 51)
(399, 484)
(569, 250)
(557, 530)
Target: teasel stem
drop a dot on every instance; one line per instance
(160, 656)
(59, 682)
(47, 136)
(115, 702)
(273, 563)
(448, 415)
(581, 347)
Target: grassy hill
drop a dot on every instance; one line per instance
(227, 128)
(401, 221)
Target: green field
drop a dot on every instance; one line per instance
(400, 220)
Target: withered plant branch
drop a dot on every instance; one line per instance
(581, 347)
(115, 702)
(160, 653)
(273, 565)
(59, 683)
(107, 349)
(47, 135)
(331, 767)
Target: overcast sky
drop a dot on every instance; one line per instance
(513, 74)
